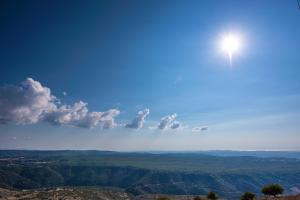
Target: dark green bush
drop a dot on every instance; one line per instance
(272, 189)
(212, 195)
(197, 198)
(248, 196)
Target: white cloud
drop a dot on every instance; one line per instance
(200, 129)
(26, 103)
(139, 120)
(102, 119)
(175, 125)
(67, 114)
(31, 102)
(169, 122)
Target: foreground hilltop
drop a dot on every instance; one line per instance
(76, 193)
(64, 194)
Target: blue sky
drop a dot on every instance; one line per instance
(158, 55)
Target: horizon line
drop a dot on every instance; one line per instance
(145, 151)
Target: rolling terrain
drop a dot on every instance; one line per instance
(148, 173)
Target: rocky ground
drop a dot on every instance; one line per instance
(171, 197)
(64, 194)
(296, 197)
(80, 193)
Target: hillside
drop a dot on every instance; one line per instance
(144, 173)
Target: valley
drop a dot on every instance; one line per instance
(148, 173)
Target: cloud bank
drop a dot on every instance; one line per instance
(139, 120)
(30, 102)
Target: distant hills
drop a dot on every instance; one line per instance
(177, 173)
(261, 154)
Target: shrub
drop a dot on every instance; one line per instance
(248, 196)
(211, 195)
(163, 198)
(272, 189)
(197, 198)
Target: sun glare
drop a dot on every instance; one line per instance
(230, 44)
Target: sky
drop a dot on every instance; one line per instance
(149, 75)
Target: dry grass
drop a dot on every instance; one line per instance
(97, 194)
(297, 197)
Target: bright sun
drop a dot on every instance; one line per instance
(230, 44)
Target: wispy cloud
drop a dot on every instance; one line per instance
(178, 79)
(200, 129)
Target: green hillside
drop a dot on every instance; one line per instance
(144, 173)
